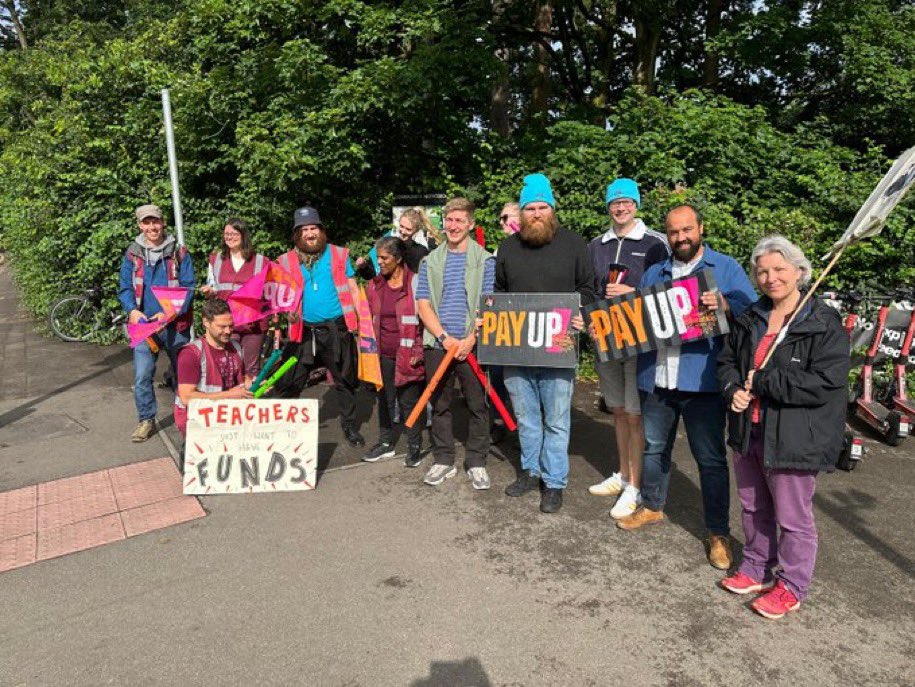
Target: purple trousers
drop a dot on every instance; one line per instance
(772, 500)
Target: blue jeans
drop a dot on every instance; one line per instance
(144, 367)
(542, 399)
(704, 420)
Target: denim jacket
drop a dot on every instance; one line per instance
(697, 369)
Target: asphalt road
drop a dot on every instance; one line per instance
(376, 579)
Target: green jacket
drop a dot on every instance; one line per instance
(473, 282)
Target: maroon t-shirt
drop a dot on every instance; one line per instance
(227, 365)
(389, 336)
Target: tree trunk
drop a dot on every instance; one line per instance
(500, 91)
(17, 24)
(499, 94)
(712, 27)
(603, 61)
(647, 39)
(540, 95)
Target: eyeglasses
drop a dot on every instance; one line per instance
(625, 203)
(231, 234)
(505, 218)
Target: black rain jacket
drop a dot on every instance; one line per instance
(802, 390)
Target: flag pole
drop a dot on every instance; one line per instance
(173, 165)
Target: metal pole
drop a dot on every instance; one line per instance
(173, 166)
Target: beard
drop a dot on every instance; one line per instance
(538, 232)
(309, 253)
(685, 251)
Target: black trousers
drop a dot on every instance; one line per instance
(407, 395)
(442, 429)
(329, 346)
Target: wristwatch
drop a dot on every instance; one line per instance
(441, 337)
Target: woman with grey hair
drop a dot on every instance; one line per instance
(785, 424)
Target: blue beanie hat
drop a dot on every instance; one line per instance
(537, 190)
(624, 188)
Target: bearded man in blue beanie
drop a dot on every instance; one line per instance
(543, 257)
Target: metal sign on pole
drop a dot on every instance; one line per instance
(173, 166)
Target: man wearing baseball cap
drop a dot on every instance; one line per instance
(322, 333)
(620, 257)
(543, 257)
(154, 258)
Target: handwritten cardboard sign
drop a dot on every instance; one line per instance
(237, 446)
(528, 329)
(658, 316)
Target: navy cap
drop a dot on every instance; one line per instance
(306, 215)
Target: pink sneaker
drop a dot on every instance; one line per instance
(776, 603)
(739, 583)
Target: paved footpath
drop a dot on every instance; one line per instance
(375, 579)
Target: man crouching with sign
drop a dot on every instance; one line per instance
(543, 258)
(210, 367)
(682, 380)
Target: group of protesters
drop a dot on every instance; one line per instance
(784, 419)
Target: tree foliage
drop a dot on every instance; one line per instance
(776, 116)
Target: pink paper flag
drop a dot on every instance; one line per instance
(271, 291)
(141, 331)
(171, 300)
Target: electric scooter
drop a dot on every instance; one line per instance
(896, 396)
(892, 425)
(853, 449)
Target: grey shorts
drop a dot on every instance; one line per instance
(618, 385)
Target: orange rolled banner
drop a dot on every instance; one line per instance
(430, 387)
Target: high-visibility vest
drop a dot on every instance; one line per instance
(227, 279)
(172, 265)
(210, 381)
(339, 255)
(408, 325)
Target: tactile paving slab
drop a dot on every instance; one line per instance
(67, 515)
(155, 516)
(18, 499)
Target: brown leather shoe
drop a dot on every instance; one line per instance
(643, 516)
(719, 552)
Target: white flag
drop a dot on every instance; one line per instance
(872, 215)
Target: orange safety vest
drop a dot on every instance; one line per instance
(339, 255)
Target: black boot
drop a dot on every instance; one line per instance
(525, 483)
(550, 500)
(352, 436)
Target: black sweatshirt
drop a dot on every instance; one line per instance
(561, 266)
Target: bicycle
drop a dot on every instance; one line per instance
(79, 317)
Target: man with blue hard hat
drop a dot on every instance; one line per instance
(620, 257)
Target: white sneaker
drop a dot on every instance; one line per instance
(627, 503)
(612, 486)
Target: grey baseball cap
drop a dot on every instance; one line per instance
(306, 215)
(145, 211)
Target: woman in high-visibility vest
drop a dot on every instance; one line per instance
(231, 266)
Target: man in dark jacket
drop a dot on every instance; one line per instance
(543, 258)
(620, 257)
